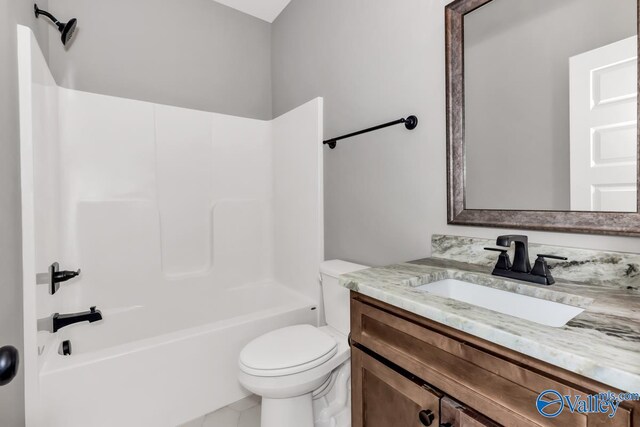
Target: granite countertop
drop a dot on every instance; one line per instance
(601, 343)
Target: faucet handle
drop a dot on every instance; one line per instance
(504, 263)
(541, 268)
(55, 277)
(63, 276)
(562, 258)
(501, 250)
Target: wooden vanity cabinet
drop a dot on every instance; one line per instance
(404, 364)
(388, 398)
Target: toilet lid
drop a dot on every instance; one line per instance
(287, 351)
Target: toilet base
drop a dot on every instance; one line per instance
(289, 412)
(332, 406)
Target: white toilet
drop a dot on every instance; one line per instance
(303, 372)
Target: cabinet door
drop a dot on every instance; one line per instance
(454, 414)
(383, 397)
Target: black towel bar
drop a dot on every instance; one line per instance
(410, 123)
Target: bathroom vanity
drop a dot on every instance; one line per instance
(408, 370)
(419, 358)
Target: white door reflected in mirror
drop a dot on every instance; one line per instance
(603, 103)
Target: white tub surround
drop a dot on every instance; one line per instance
(39, 169)
(601, 343)
(195, 231)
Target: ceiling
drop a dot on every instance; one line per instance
(267, 10)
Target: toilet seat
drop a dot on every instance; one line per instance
(286, 386)
(287, 351)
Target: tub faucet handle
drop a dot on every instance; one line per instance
(63, 276)
(54, 277)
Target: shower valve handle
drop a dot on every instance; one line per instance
(63, 276)
(55, 276)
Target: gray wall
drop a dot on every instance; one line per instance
(190, 53)
(12, 12)
(385, 193)
(517, 95)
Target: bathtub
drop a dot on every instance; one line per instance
(161, 365)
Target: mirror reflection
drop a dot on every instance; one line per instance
(551, 105)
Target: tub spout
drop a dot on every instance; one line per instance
(62, 320)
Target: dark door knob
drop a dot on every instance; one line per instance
(9, 360)
(426, 417)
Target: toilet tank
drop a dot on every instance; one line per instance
(334, 296)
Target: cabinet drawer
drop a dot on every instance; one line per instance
(384, 397)
(501, 389)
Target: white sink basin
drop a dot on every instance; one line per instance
(537, 310)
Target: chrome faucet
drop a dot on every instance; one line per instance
(62, 320)
(521, 267)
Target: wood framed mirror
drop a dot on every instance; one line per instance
(542, 115)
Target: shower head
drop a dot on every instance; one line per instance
(66, 28)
